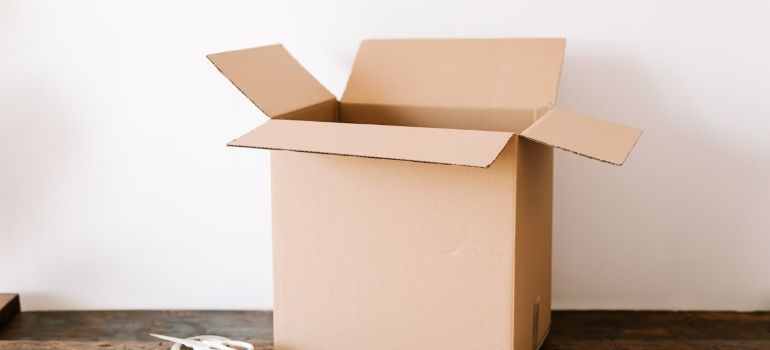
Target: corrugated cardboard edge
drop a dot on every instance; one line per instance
(498, 150)
(372, 157)
(208, 57)
(587, 155)
(636, 133)
(290, 59)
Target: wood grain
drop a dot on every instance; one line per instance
(113, 326)
(642, 330)
(94, 345)
(571, 330)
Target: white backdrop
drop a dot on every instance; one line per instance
(116, 189)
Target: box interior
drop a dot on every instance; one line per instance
(502, 85)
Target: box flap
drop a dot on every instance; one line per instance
(464, 73)
(442, 146)
(589, 137)
(272, 79)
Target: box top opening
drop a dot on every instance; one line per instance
(508, 86)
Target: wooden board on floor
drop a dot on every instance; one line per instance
(571, 330)
(9, 307)
(643, 330)
(130, 329)
(94, 345)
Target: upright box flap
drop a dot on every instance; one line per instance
(272, 79)
(464, 73)
(589, 137)
(442, 146)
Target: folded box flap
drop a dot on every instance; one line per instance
(442, 146)
(272, 79)
(589, 137)
(457, 73)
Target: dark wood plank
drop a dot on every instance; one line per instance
(656, 344)
(85, 345)
(641, 330)
(9, 308)
(113, 326)
(571, 330)
(96, 345)
(661, 325)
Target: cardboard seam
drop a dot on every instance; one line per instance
(544, 109)
(355, 62)
(537, 118)
(515, 175)
(561, 70)
(318, 104)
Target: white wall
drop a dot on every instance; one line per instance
(116, 190)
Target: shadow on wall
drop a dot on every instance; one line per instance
(678, 225)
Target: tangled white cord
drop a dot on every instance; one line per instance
(206, 342)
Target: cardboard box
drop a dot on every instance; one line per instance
(415, 213)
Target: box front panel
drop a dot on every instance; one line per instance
(382, 254)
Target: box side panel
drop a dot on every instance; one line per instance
(534, 193)
(513, 120)
(322, 112)
(383, 254)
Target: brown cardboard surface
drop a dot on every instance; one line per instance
(374, 253)
(381, 254)
(322, 112)
(444, 146)
(534, 194)
(459, 73)
(273, 80)
(509, 120)
(583, 135)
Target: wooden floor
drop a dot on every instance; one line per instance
(571, 330)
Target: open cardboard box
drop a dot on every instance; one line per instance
(415, 212)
